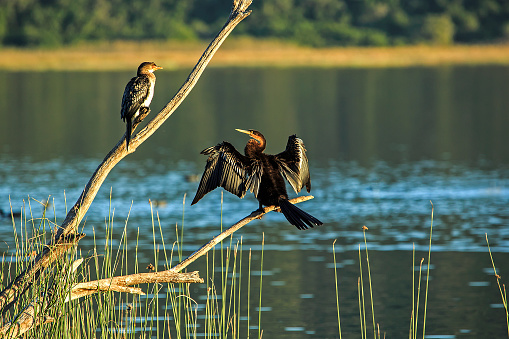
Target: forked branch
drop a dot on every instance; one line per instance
(80, 208)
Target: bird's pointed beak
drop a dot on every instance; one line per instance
(157, 67)
(243, 131)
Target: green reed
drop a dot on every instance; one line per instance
(503, 292)
(416, 297)
(168, 310)
(336, 285)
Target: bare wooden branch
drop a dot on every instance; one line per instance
(123, 283)
(28, 319)
(52, 252)
(208, 246)
(80, 208)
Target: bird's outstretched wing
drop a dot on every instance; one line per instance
(255, 171)
(293, 164)
(135, 93)
(226, 168)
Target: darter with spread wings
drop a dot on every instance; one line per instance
(263, 174)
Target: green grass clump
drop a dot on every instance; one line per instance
(166, 311)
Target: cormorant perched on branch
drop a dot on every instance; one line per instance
(260, 173)
(138, 94)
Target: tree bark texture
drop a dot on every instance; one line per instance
(28, 319)
(124, 283)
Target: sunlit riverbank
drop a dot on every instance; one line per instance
(244, 53)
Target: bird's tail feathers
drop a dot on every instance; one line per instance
(296, 216)
(129, 125)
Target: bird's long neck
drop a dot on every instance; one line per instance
(254, 147)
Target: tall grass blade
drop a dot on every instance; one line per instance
(364, 228)
(427, 274)
(336, 285)
(363, 320)
(260, 300)
(412, 321)
(418, 298)
(503, 293)
(249, 296)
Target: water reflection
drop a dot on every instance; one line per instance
(382, 144)
(397, 115)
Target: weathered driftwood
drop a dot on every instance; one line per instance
(28, 318)
(53, 251)
(80, 208)
(208, 246)
(124, 283)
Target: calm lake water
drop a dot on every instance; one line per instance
(382, 144)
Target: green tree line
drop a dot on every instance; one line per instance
(308, 22)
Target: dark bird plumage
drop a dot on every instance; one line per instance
(263, 174)
(138, 94)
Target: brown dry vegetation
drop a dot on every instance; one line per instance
(244, 52)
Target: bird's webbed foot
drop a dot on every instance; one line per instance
(144, 111)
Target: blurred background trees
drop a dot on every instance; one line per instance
(309, 22)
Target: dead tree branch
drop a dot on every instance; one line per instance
(29, 318)
(80, 208)
(32, 316)
(53, 252)
(123, 283)
(208, 246)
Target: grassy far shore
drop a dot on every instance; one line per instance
(124, 55)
